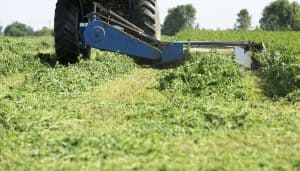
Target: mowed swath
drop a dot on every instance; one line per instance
(112, 114)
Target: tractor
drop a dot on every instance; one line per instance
(130, 27)
(71, 15)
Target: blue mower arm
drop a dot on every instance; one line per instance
(103, 36)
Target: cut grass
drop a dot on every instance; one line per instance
(108, 114)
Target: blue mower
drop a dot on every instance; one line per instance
(130, 27)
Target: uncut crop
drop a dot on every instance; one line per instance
(204, 75)
(279, 64)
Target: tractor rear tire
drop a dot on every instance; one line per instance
(146, 16)
(86, 52)
(66, 32)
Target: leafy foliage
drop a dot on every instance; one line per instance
(1, 27)
(281, 73)
(243, 21)
(279, 64)
(204, 75)
(178, 18)
(16, 55)
(107, 114)
(18, 29)
(77, 78)
(44, 32)
(281, 15)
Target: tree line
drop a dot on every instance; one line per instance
(17, 29)
(279, 15)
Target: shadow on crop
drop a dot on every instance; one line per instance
(47, 59)
(159, 65)
(279, 74)
(278, 88)
(144, 63)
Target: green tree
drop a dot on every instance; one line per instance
(281, 15)
(1, 27)
(296, 16)
(178, 18)
(44, 32)
(18, 29)
(243, 21)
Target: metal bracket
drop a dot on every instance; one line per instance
(101, 35)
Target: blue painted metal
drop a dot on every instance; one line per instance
(101, 35)
(172, 53)
(111, 38)
(105, 37)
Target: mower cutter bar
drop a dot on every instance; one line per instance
(101, 35)
(248, 46)
(108, 31)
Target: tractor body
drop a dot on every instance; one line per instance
(134, 17)
(130, 27)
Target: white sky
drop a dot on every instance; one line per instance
(210, 13)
